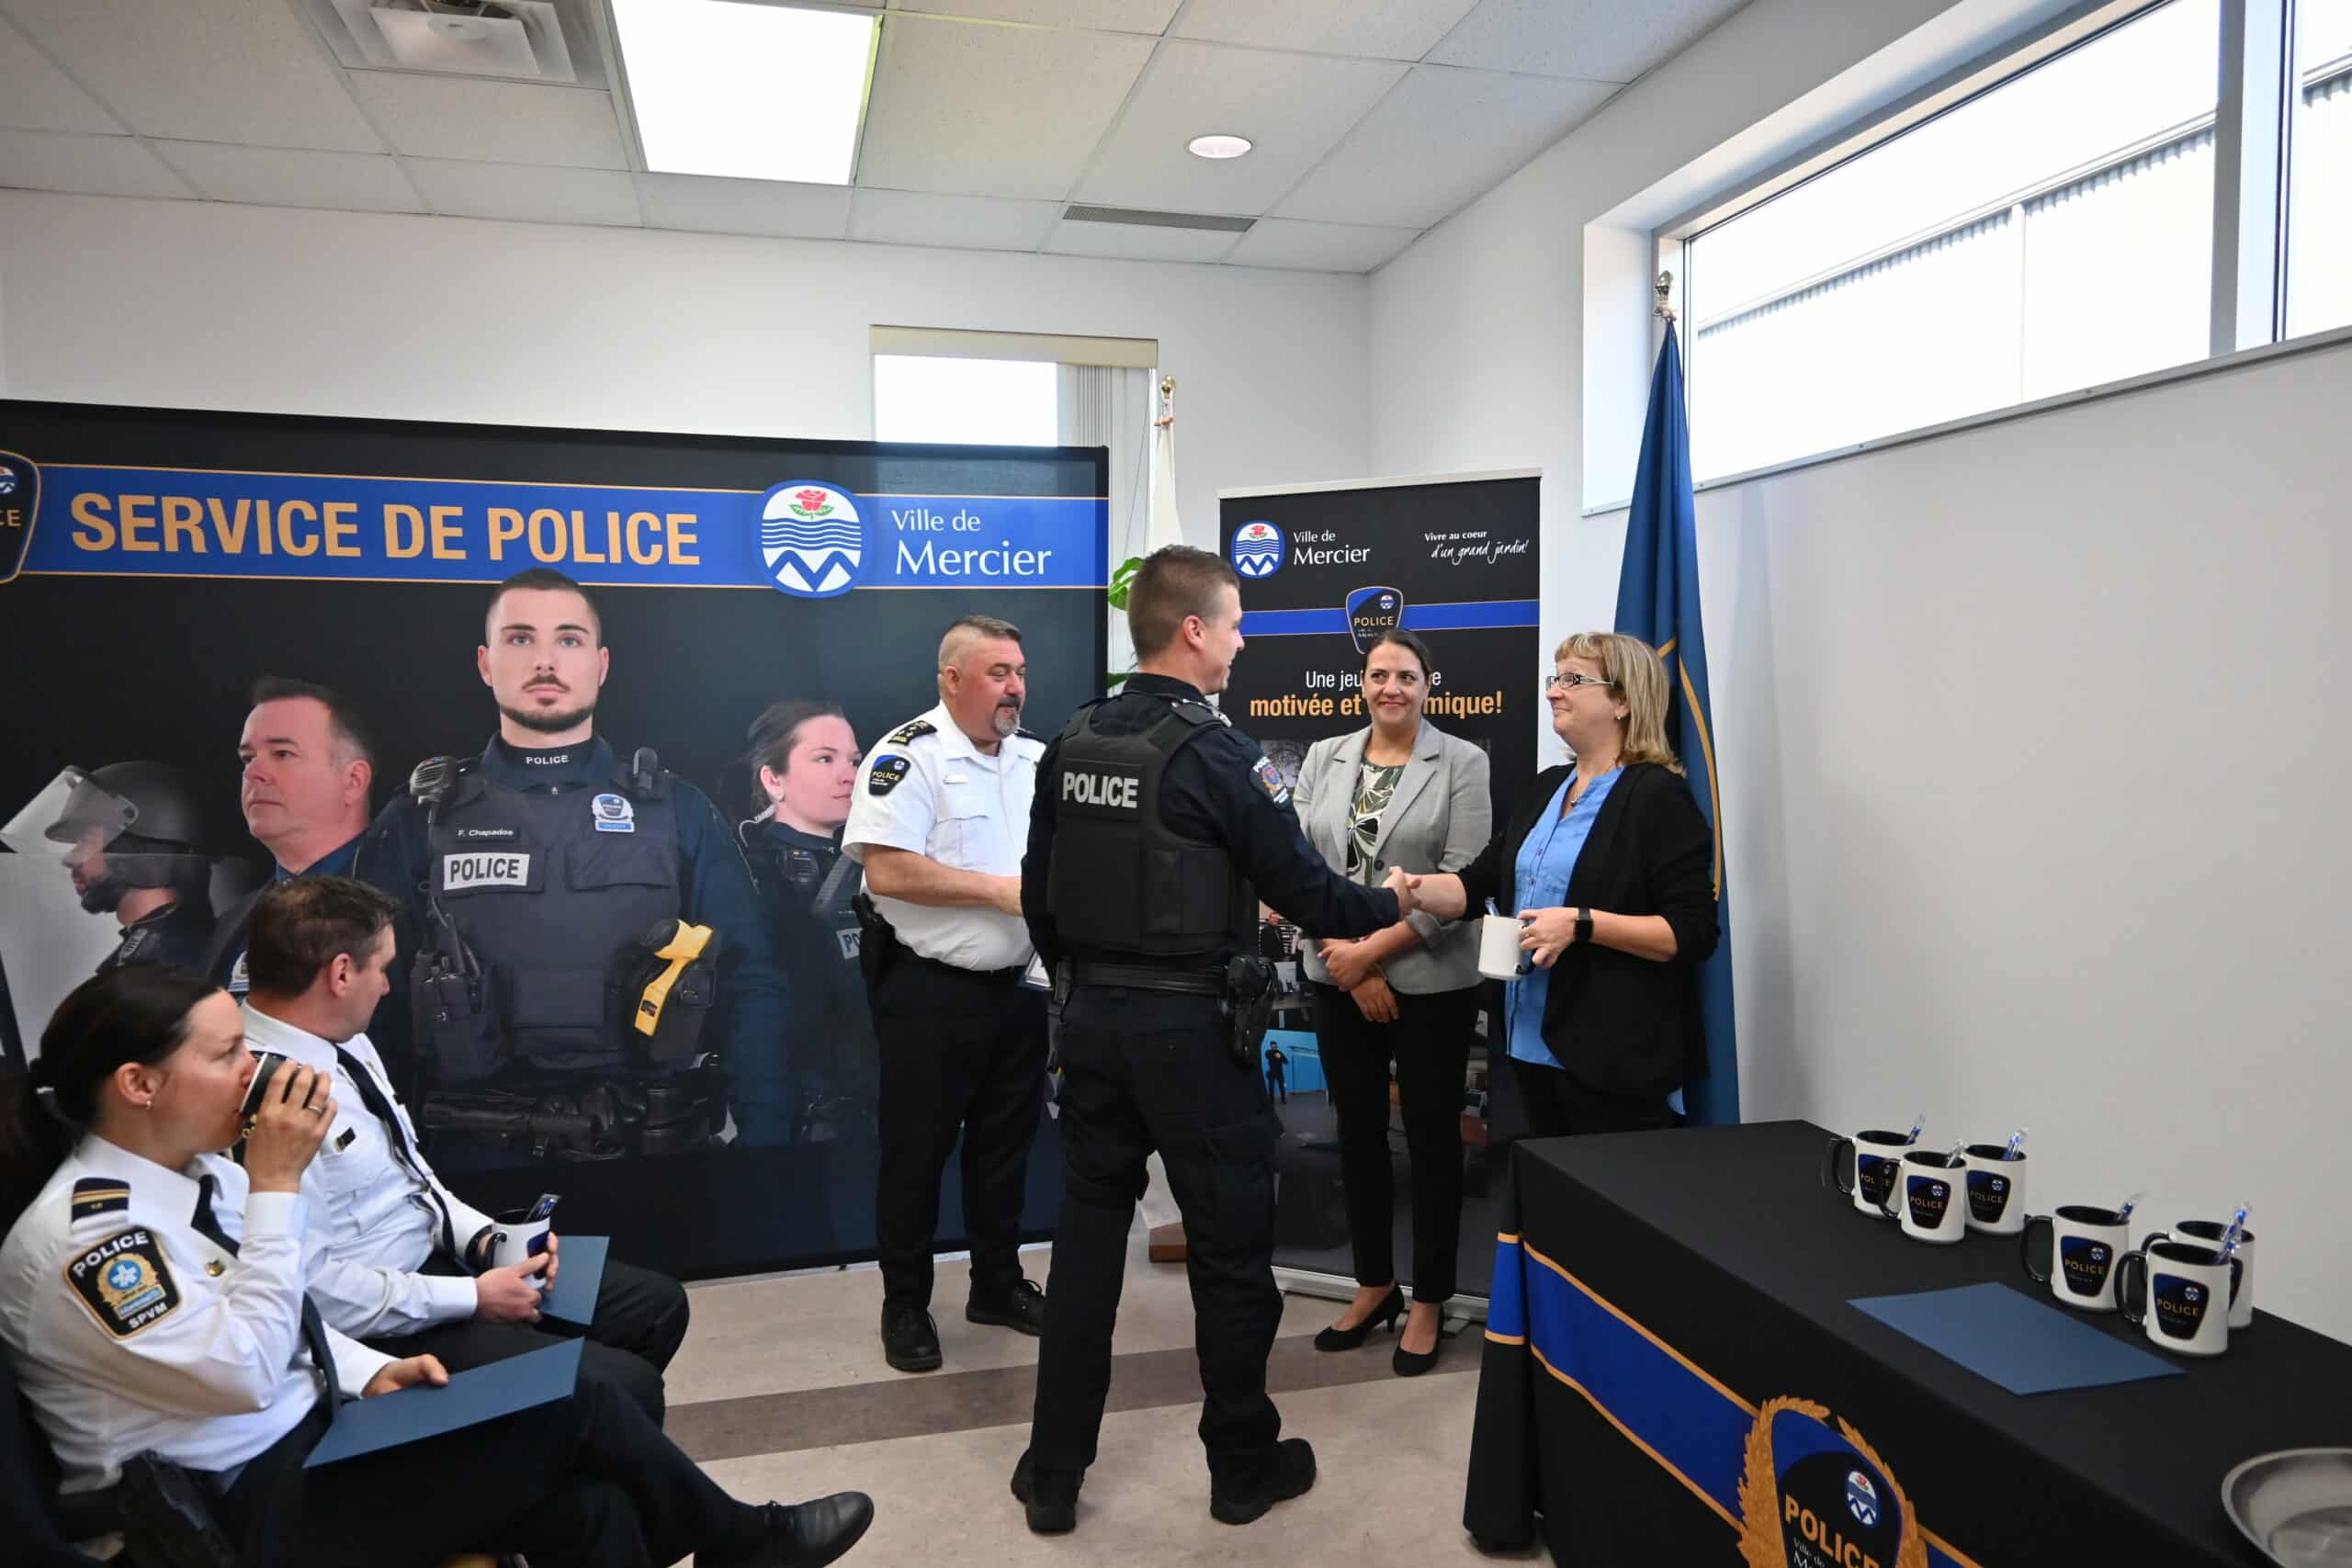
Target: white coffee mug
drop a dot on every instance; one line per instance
(2084, 1244)
(1499, 954)
(2179, 1295)
(518, 1241)
(1869, 1176)
(2208, 1233)
(1929, 1197)
(1996, 1189)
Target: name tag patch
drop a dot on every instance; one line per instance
(501, 868)
(124, 1283)
(501, 834)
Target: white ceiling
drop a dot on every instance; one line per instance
(1373, 119)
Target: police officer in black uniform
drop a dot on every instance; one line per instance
(1155, 830)
(588, 933)
(132, 834)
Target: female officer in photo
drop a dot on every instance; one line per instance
(803, 760)
(135, 1321)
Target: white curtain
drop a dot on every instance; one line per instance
(1108, 405)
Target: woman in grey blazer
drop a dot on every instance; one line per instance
(1397, 793)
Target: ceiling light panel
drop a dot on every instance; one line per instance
(747, 91)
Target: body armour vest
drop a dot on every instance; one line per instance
(553, 893)
(818, 888)
(1123, 881)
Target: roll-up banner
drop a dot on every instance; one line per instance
(156, 563)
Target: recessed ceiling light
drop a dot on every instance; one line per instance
(1217, 146)
(748, 91)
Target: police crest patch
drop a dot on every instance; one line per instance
(124, 1283)
(1269, 779)
(1812, 1493)
(886, 772)
(908, 730)
(613, 814)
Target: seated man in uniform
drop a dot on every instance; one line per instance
(399, 1260)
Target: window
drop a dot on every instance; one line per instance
(995, 402)
(2319, 227)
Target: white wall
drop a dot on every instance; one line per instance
(2031, 734)
(202, 305)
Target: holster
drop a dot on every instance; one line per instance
(1249, 1005)
(660, 995)
(877, 941)
(454, 1001)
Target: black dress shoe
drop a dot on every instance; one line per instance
(1021, 1309)
(1391, 1308)
(1051, 1505)
(1291, 1472)
(804, 1535)
(910, 1339)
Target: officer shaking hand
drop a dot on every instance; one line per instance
(1158, 829)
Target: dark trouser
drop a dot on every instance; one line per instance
(1557, 1105)
(640, 1322)
(1429, 1042)
(1144, 1071)
(964, 1051)
(585, 1483)
(1275, 1089)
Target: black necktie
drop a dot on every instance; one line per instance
(314, 1329)
(380, 1107)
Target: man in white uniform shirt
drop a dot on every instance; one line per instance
(939, 821)
(397, 1260)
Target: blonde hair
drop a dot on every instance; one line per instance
(1634, 668)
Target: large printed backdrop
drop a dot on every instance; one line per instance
(153, 563)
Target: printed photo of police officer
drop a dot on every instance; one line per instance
(802, 757)
(129, 837)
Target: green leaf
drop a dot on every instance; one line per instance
(1122, 579)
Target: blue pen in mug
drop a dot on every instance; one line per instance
(2213, 1234)
(1997, 1186)
(522, 1234)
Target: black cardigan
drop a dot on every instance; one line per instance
(1617, 1023)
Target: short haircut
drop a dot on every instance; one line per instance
(543, 577)
(300, 927)
(346, 726)
(1173, 582)
(968, 629)
(1398, 637)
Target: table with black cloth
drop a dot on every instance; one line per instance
(1654, 1289)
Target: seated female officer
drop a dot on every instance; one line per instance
(133, 1325)
(1609, 867)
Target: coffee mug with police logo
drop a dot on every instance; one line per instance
(2179, 1295)
(518, 1239)
(1927, 1196)
(2085, 1243)
(2208, 1233)
(1866, 1171)
(1996, 1189)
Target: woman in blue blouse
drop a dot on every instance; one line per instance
(1610, 869)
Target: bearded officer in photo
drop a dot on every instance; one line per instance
(938, 824)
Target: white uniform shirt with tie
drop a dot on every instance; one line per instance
(130, 1330)
(375, 1204)
(939, 796)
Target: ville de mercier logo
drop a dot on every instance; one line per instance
(811, 539)
(1258, 550)
(19, 503)
(1372, 612)
(1813, 1497)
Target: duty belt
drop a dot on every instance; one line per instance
(1146, 977)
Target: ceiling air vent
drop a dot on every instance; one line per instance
(518, 39)
(1141, 219)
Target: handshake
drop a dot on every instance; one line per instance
(1408, 889)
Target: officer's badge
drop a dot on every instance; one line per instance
(613, 814)
(241, 979)
(908, 730)
(95, 1195)
(883, 777)
(1270, 781)
(124, 1283)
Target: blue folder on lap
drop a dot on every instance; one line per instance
(579, 1274)
(2007, 1337)
(364, 1426)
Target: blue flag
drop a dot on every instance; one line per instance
(1657, 600)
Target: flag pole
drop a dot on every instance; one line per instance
(1665, 287)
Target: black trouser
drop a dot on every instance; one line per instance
(1429, 1042)
(958, 1050)
(1275, 1089)
(640, 1322)
(1557, 1105)
(585, 1483)
(1144, 1071)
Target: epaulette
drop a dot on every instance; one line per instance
(908, 730)
(95, 1195)
(1020, 734)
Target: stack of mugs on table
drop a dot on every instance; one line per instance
(2172, 1284)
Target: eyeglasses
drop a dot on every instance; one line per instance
(1572, 679)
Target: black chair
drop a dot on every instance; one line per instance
(159, 1510)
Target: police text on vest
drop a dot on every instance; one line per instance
(1098, 789)
(502, 870)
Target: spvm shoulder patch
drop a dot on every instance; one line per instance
(907, 731)
(1270, 781)
(95, 1195)
(124, 1283)
(883, 776)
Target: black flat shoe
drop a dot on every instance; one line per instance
(1391, 1308)
(910, 1339)
(1051, 1506)
(1292, 1474)
(1021, 1309)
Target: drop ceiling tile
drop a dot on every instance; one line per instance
(288, 176)
(1103, 15)
(781, 208)
(493, 122)
(1605, 41)
(1384, 29)
(966, 222)
(1139, 242)
(1293, 106)
(525, 194)
(37, 96)
(240, 71)
(1320, 247)
(975, 109)
(1441, 137)
(94, 165)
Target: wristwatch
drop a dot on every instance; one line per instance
(1584, 925)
